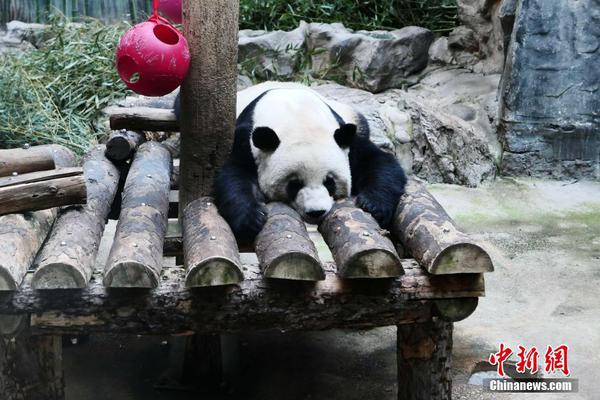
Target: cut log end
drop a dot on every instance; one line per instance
(7, 282)
(130, 274)
(454, 310)
(374, 263)
(118, 148)
(462, 258)
(215, 271)
(58, 276)
(296, 266)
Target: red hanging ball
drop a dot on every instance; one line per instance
(153, 58)
(171, 9)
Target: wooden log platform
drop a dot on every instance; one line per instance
(210, 250)
(432, 237)
(135, 259)
(284, 249)
(67, 259)
(359, 246)
(41, 190)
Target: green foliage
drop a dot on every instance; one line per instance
(53, 93)
(437, 15)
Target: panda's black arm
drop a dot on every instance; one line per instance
(235, 191)
(377, 180)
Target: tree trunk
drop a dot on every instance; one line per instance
(42, 190)
(135, 258)
(31, 368)
(433, 239)
(122, 144)
(21, 161)
(284, 248)
(142, 119)
(210, 250)
(360, 248)
(424, 358)
(67, 259)
(207, 94)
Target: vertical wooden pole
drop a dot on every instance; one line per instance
(207, 94)
(424, 355)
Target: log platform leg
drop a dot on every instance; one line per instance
(31, 368)
(424, 355)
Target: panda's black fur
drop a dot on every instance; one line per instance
(377, 180)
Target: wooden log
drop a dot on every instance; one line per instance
(207, 94)
(122, 144)
(284, 248)
(424, 359)
(360, 248)
(67, 259)
(173, 144)
(142, 119)
(39, 176)
(254, 304)
(210, 250)
(433, 239)
(11, 325)
(20, 161)
(63, 157)
(31, 368)
(52, 190)
(175, 175)
(21, 236)
(454, 310)
(135, 259)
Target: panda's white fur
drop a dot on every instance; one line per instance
(307, 147)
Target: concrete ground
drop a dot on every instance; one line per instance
(544, 238)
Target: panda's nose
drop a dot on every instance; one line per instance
(315, 214)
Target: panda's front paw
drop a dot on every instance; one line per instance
(248, 222)
(382, 212)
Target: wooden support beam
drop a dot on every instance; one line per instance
(142, 119)
(284, 249)
(432, 237)
(207, 94)
(254, 304)
(31, 368)
(210, 250)
(360, 248)
(42, 190)
(67, 259)
(122, 144)
(424, 360)
(135, 259)
(20, 161)
(21, 236)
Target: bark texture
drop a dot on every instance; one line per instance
(21, 236)
(135, 259)
(210, 250)
(207, 94)
(67, 259)
(142, 119)
(44, 190)
(255, 304)
(31, 368)
(424, 360)
(284, 248)
(122, 144)
(433, 239)
(360, 248)
(20, 161)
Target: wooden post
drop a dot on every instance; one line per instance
(31, 368)
(207, 94)
(424, 355)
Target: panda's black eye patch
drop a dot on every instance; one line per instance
(293, 187)
(329, 184)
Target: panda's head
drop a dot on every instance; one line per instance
(301, 152)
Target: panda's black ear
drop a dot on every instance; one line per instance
(345, 135)
(265, 138)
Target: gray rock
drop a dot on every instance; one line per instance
(374, 61)
(439, 53)
(551, 91)
(463, 38)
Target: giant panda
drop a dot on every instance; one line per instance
(293, 145)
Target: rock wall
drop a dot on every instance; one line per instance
(550, 107)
